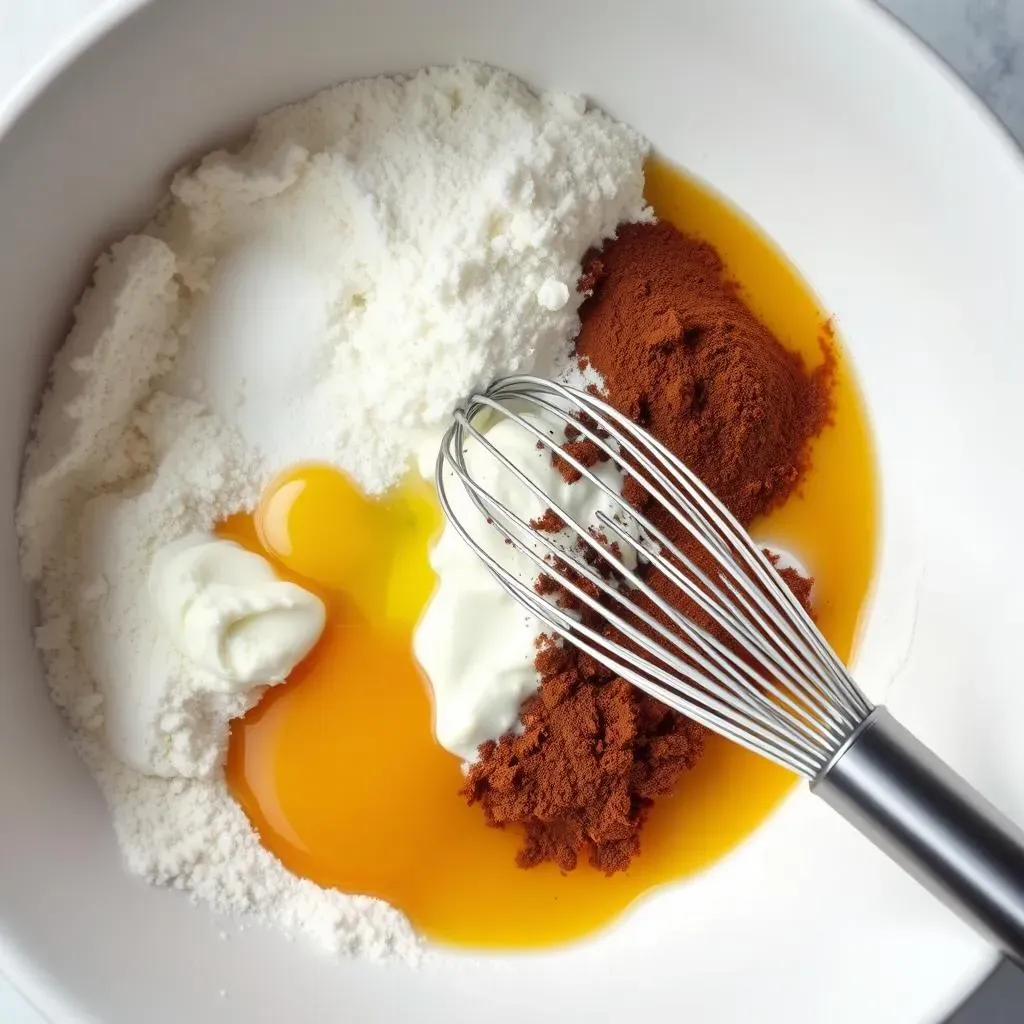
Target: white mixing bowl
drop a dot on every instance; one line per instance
(903, 204)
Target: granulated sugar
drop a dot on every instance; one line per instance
(329, 292)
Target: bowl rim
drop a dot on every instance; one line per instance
(96, 19)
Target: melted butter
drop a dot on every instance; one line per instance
(338, 768)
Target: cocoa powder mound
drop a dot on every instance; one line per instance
(684, 357)
(593, 754)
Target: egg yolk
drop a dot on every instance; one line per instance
(316, 523)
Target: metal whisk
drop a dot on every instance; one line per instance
(765, 678)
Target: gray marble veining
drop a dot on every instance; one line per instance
(983, 40)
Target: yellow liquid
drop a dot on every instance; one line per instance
(338, 768)
(832, 524)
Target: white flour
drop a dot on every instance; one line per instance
(370, 256)
(386, 247)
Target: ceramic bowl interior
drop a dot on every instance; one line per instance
(901, 202)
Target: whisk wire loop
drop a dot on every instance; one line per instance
(763, 676)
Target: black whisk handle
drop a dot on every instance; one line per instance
(916, 809)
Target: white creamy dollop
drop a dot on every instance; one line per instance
(225, 609)
(474, 641)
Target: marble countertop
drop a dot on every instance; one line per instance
(983, 40)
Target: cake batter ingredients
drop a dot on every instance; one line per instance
(325, 293)
(681, 354)
(400, 830)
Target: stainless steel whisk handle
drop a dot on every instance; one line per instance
(916, 809)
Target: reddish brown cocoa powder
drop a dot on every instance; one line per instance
(683, 356)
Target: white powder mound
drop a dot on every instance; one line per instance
(386, 247)
(369, 257)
